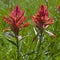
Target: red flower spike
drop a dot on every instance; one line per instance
(41, 19)
(16, 19)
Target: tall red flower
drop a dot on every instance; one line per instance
(41, 19)
(16, 20)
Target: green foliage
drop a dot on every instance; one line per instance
(51, 46)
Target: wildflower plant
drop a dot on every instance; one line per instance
(41, 21)
(17, 22)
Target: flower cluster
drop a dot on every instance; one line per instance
(16, 20)
(41, 19)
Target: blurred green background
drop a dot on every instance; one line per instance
(51, 46)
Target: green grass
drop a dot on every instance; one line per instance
(27, 48)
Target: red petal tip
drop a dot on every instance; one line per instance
(26, 24)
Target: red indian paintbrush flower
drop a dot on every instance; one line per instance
(41, 19)
(16, 20)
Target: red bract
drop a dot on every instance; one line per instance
(58, 8)
(16, 20)
(41, 19)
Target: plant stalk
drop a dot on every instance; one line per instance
(38, 46)
(18, 55)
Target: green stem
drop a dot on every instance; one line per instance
(17, 48)
(38, 46)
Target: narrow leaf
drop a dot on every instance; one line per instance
(35, 37)
(50, 33)
(12, 42)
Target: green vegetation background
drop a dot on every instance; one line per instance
(27, 48)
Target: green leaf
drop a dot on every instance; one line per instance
(12, 42)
